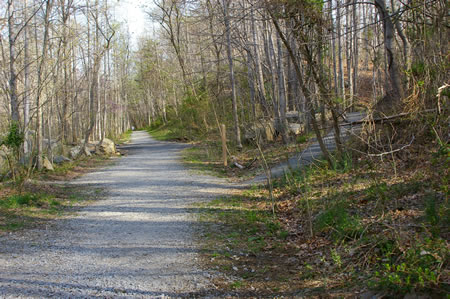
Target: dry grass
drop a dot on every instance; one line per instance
(364, 217)
(46, 197)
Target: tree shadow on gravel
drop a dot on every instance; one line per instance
(33, 287)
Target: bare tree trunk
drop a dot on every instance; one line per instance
(12, 36)
(394, 91)
(93, 100)
(251, 84)
(259, 73)
(39, 130)
(337, 89)
(232, 79)
(366, 37)
(75, 107)
(270, 57)
(349, 52)
(26, 92)
(355, 49)
(282, 94)
(341, 89)
(306, 92)
(65, 10)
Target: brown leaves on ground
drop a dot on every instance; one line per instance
(57, 198)
(389, 209)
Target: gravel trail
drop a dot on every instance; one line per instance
(137, 242)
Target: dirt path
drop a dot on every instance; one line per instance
(135, 243)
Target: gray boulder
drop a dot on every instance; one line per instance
(265, 129)
(74, 152)
(295, 129)
(60, 159)
(49, 142)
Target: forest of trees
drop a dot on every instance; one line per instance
(243, 62)
(65, 67)
(272, 76)
(70, 73)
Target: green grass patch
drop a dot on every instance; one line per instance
(162, 134)
(339, 222)
(170, 131)
(25, 200)
(204, 159)
(32, 208)
(124, 137)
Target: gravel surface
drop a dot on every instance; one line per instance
(137, 242)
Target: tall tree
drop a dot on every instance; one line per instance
(237, 131)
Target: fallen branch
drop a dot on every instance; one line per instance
(251, 163)
(393, 151)
(238, 165)
(384, 119)
(384, 153)
(440, 90)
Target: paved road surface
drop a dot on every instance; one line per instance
(313, 151)
(135, 243)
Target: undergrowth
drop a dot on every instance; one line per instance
(41, 199)
(122, 138)
(38, 204)
(365, 223)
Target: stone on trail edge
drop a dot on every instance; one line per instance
(137, 242)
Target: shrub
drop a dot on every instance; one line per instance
(338, 219)
(419, 268)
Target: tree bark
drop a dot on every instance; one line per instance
(259, 72)
(341, 88)
(282, 94)
(393, 86)
(12, 36)
(237, 131)
(39, 129)
(26, 92)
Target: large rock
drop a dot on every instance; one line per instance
(107, 147)
(60, 159)
(46, 164)
(295, 129)
(265, 129)
(293, 117)
(74, 152)
(49, 142)
(92, 146)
